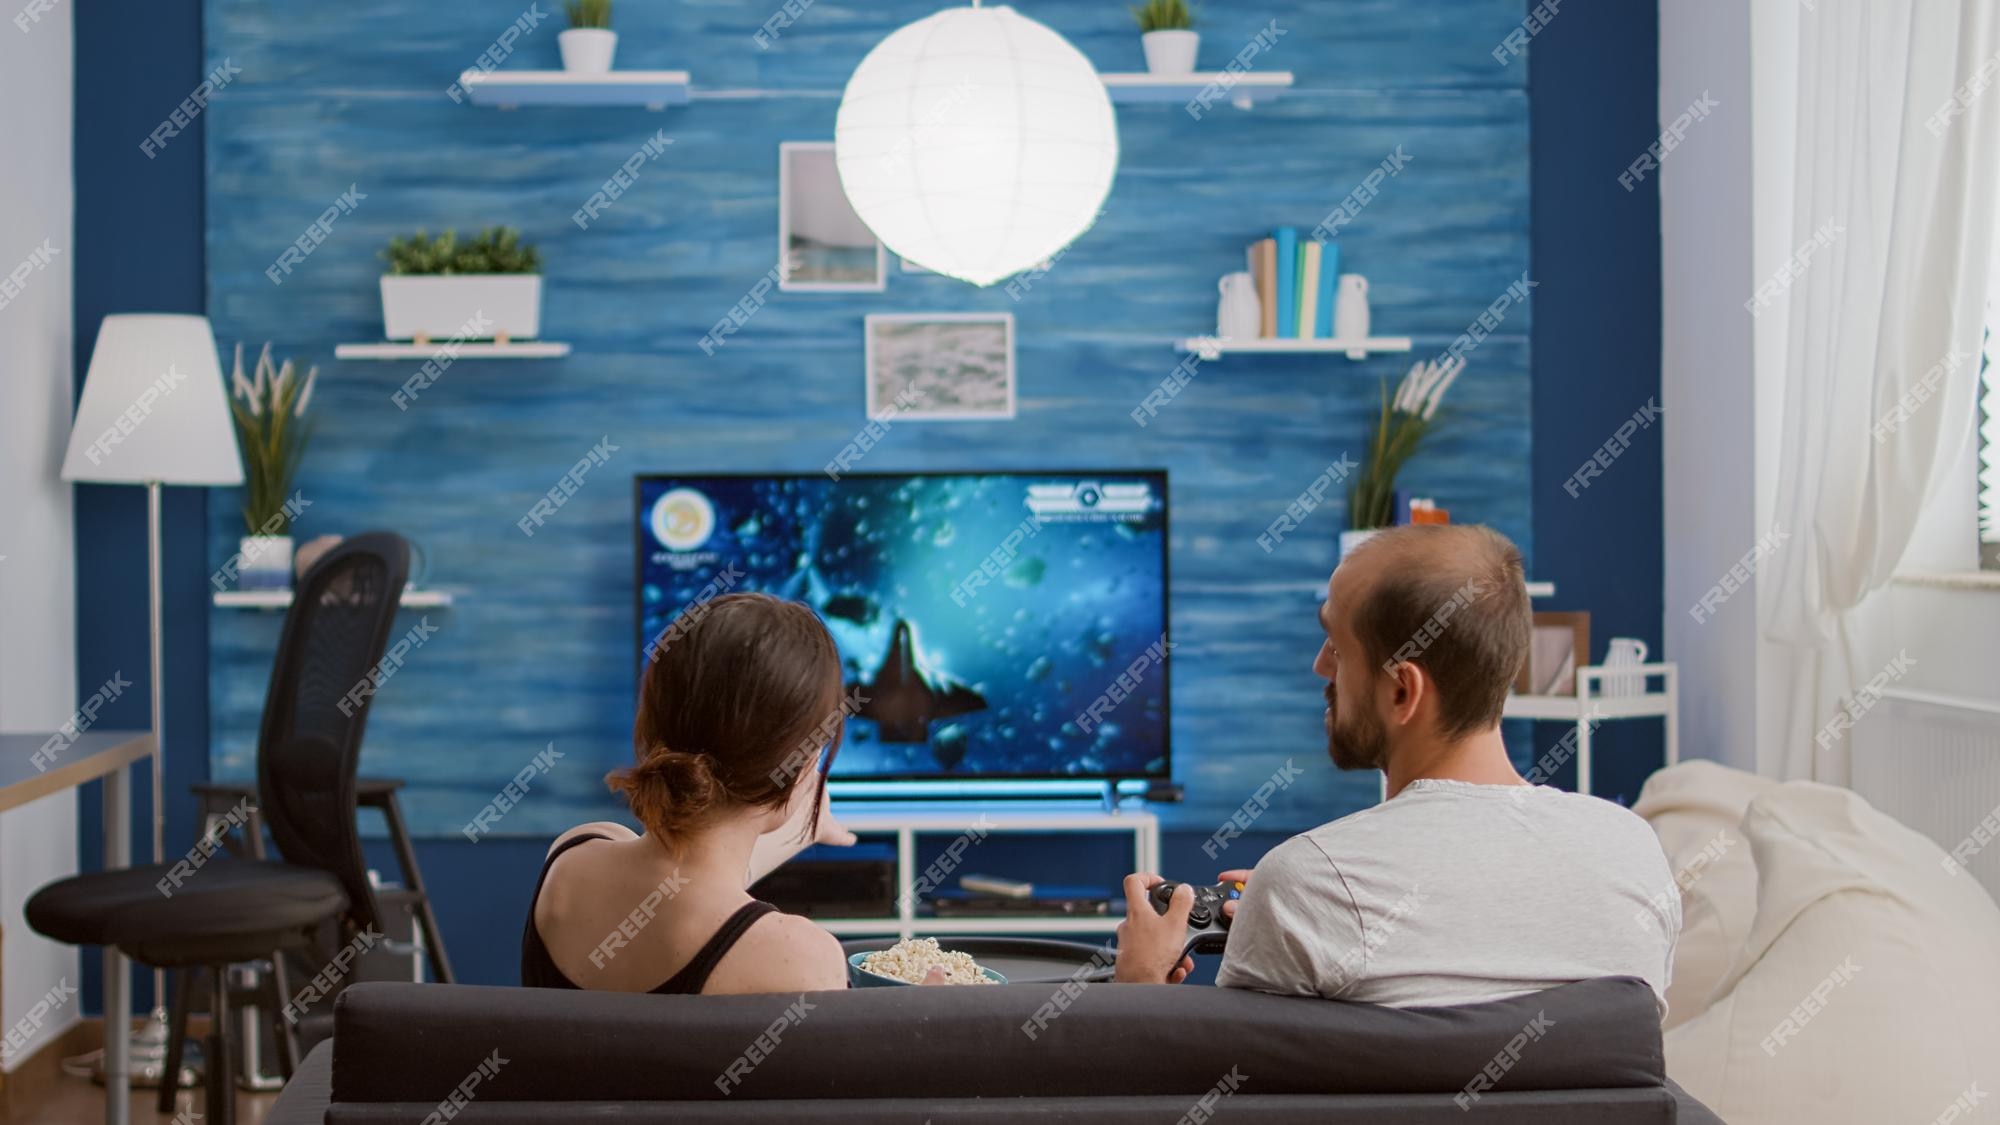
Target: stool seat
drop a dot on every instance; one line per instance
(229, 910)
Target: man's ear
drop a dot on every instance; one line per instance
(1408, 688)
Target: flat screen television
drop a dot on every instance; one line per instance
(999, 625)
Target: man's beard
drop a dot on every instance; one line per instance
(1355, 742)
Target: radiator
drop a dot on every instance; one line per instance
(1933, 762)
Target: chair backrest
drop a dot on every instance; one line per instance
(325, 676)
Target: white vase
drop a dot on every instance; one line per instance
(1355, 537)
(1350, 308)
(1239, 314)
(1170, 52)
(587, 50)
(476, 306)
(265, 562)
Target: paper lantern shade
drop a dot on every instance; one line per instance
(976, 143)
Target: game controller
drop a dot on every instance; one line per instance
(1208, 926)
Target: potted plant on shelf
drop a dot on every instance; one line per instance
(1371, 495)
(589, 43)
(1166, 33)
(271, 430)
(441, 288)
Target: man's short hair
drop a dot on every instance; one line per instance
(1453, 599)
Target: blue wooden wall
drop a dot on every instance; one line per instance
(539, 649)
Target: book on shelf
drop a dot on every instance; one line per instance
(1329, 276)
(1264, 267)
(1288, 280)
(1308, 315)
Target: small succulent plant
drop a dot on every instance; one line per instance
(588, 13)
(1163, 15)
(495, 250)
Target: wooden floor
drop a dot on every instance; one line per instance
(79, 1101)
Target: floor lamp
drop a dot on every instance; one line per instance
(154, 412)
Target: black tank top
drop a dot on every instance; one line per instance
(538, 969)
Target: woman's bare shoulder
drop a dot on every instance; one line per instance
(608, 828)
(782, 953)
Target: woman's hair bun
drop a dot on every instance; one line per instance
(670, 790)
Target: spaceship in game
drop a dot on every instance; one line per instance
(903, 699)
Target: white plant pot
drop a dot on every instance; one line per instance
(1170, 52)
(476, 306)
(265, 562)
(587, 50)
(1352, 538)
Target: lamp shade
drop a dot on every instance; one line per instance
(153, 406)
(976, 143)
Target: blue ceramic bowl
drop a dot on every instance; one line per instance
(859, 977)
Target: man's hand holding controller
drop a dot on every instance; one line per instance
(1152, 944)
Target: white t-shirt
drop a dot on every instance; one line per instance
(1454, 893)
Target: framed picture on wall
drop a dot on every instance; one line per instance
(823, 246)
(1558, 644)
(940, 366)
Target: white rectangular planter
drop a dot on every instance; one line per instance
(476, 306)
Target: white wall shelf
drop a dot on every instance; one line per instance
(280, 599)
(1240, 90)
(524, 349)
(510, 89)
(1215, 347)
(909, 821)
(1590, 706)
(1541, 589)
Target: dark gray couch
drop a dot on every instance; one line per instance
(1111, 1053)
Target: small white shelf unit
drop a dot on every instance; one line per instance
(1215, 347)
(908, 821)
(1240, 90)
(396, 349)
(1590, 706)
(281, 599)
(510, 89)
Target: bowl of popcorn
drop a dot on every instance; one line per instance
(913, 960)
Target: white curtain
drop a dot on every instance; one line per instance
(1897, 172)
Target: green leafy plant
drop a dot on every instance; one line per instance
(1163, 15)
(496, 250)
(272, 431)
(588, 13)
(1399, 430)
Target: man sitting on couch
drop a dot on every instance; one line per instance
(1469, 883)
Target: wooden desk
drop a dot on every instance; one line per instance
(28, 775)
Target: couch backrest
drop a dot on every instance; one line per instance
(417, 1043)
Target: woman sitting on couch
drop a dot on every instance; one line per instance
(740, 714)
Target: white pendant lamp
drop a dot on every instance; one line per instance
(976, 143)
